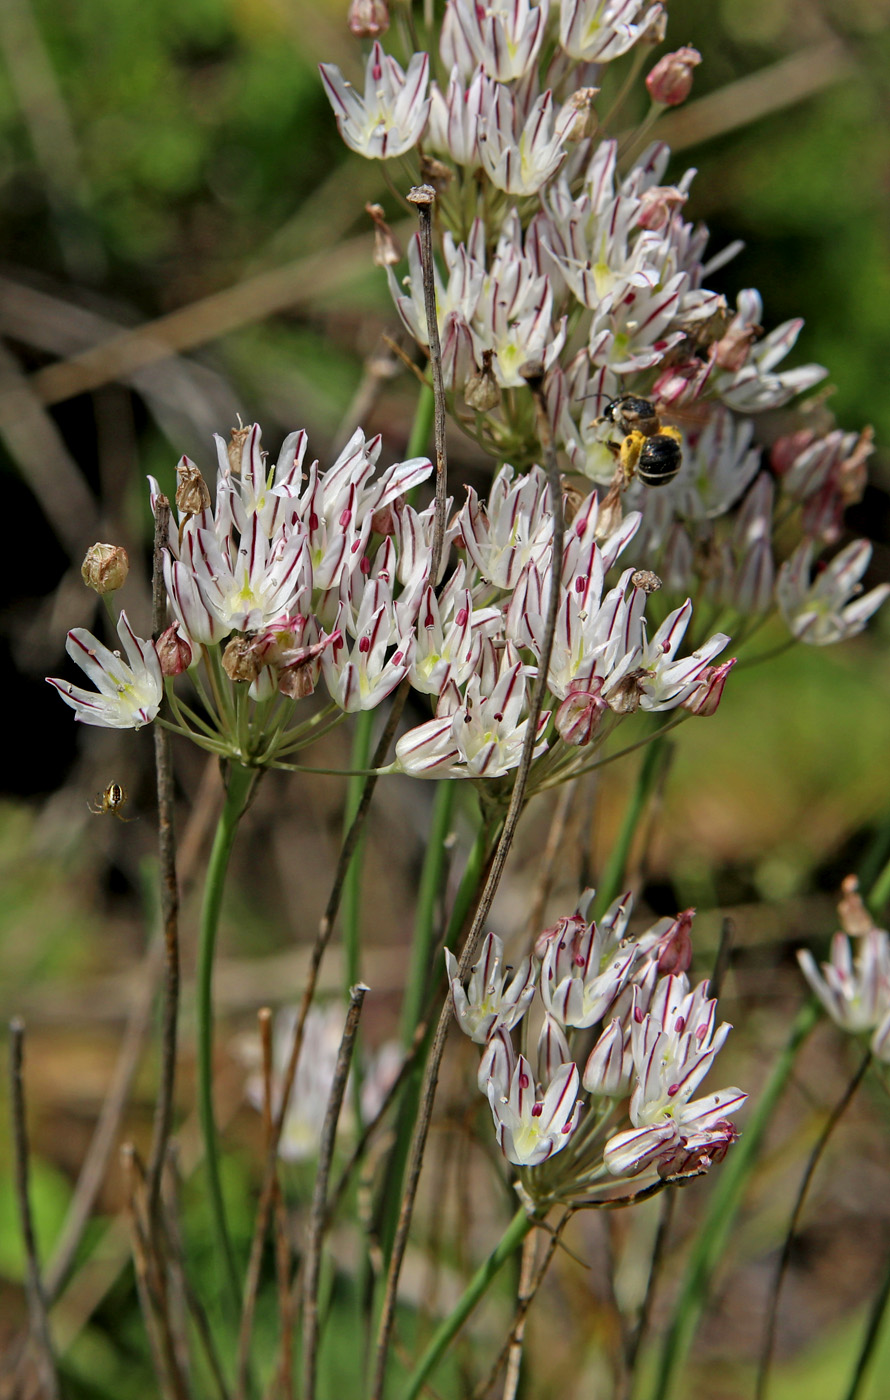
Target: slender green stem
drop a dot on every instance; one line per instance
(510, 1241)
(240, 785)
(725, 1200)
(612, 879)
(425, 921)
(880, 891)
(872, 1333)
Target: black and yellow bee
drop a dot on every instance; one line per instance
(649, 451)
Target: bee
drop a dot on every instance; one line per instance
(112, 800)
(650, 451)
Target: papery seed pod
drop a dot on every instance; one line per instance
(646, 580)
(578, 120)
(105, 567)
(386, 246)
(240, 660)
(235, 446)
(482, 391)
(192, 492)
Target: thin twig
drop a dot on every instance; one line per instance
(312, 1257)
(526, 1285)
(37, 1310)
(150, 1281)
(322, 938)
(169, 890)
(665, 1221)
(511, 821)
(771, 1315)
(721, 961)
(524, 1302)
(423, 197)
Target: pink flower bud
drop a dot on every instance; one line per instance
(670, 81)
(368, 19)
(658, 204)
(674, 948)
(707, 695)
(786, 450)
(174, 652)
(578, 717)
(105, 567)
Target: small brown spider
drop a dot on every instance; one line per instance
(112, 800)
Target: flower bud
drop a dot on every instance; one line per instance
(192, 492)
(482, 391)
(174, 652)
(731, 351)
(386, 246)
(854, 916)
(604, 1071)
(670, 81)
(240, 660)
(658, 204)
(105, 567)
(579, 714)
(368, 19)
(707, 695)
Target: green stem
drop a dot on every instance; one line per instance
(712, 1235)
(612, 880)
(425, 921)
(510, 1241)
(879, 892)
(240, 785)
(872, 1333)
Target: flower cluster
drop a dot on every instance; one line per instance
(557, 249)
(855, 988)
(656, 1038)
(297, 575)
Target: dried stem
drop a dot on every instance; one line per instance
(312, 1257)
(517, 1332)
(511, 821)
(169, 888)
(423, 197)
(524, 1301)
(322, 938)
(771, 1315)
(150, 1281)
(37, 1309)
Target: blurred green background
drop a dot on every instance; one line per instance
(174, 164)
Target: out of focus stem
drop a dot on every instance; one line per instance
(239, 788)
(613, 877)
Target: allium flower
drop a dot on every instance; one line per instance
(490, 1001)
(596, 31)
(828, 609)
(390, 119)
(529, 1130)
(584, 969)
(520, 151)
(503, 38)
(126, 696)
(855, 990)
(673, 1048)
(303, 1122)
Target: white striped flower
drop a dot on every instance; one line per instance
(128, 693)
